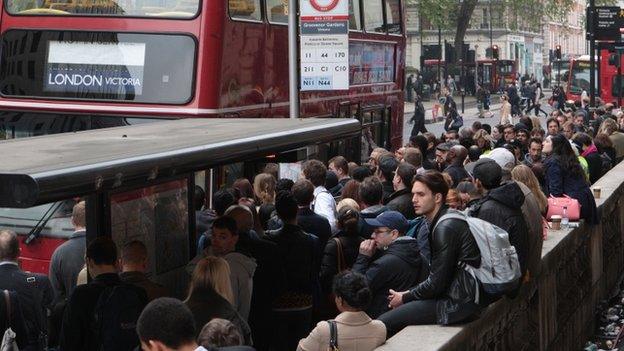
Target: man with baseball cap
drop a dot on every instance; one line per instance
(389, 260)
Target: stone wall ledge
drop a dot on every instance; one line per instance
(555, 311)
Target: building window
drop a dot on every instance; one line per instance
(277, 11)
(355, 16)
(245, 9)
(373, 16)
(393, 16)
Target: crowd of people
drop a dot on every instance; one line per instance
(348, 253)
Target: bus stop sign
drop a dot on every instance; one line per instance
(607, 22)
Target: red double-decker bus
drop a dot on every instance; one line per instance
(80, 64)
(495, 74)
(69, 65)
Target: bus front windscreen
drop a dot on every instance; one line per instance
(123, 8)
(579, 80)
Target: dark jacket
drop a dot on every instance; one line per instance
(299, 261)
(451, 243)
(314, 224)
(206, 304)
(139, 279)
(396, 268)
(264, 281)
(401, 201)
(15, 321)
(329, 263)
(77, 331)
(67, 261)
(35, 297)
(370, 212)
(559, 182)
(502, 207)
(457, 173)
(594, 165)
(388, 189)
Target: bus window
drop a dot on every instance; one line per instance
(393, 16)
(355, 17)
(53, 223)
(277, 11)
(158, 217)
(373, 16)
(129, 8)
(245, 9)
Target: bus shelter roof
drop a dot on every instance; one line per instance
(54, 167)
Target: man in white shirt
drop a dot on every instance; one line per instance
(323, 203)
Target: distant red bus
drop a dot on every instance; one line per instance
(577, 78)
(496, 74)
(82, 64)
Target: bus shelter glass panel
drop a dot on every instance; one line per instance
(122, 8)
(41, 229)
(158, 217)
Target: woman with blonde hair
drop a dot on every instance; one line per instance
(505, 110)
(264, 189)
(524, 175)
(483, 140)
(210, 295)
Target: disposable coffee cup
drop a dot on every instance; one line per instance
(596, 191)
(555, 222)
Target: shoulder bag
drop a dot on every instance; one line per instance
(333, 336)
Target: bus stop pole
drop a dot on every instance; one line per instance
(592, 49)
(293, 72)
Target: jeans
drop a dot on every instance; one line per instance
(412, 313)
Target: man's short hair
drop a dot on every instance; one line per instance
(360, 173)
(413, 156)
(102, 251)
(340, 163)
(303, 192)
(387, 166)
(79, 217)
(167, 320)
(284, 184)
(134, 252)
(435, 182)
(286, 206)
(371, 191)
(222, 200)
(535, 140)
(488, 172)
(225, 222)
(219, 333)
(315, 171)
(406, 172)
(9, 245)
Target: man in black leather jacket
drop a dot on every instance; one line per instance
(447, 295)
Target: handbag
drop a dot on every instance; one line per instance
(333, 336)
(8, 339)
(556, 205)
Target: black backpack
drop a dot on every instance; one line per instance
(116, 313)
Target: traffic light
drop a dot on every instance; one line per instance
(495, 52)
(558, 52)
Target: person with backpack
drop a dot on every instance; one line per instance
(501, 205)
(33, 291)
(447, 295)
(102, 314)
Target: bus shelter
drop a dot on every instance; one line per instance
(139, 181)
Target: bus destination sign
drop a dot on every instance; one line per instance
(324, 48)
